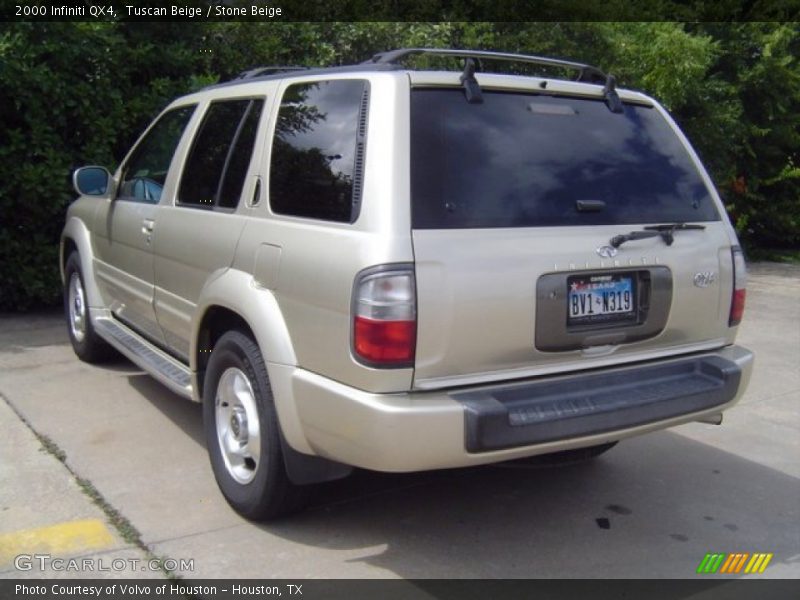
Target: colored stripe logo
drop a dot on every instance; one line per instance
(734, 563)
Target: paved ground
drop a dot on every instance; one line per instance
(667, 499)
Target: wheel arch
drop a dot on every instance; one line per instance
(232, 301)
(231, 298)
(216, 320)
(76, 237)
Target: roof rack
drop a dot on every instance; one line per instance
(260, 71)
(586, 73)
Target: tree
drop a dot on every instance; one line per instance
(80, 93)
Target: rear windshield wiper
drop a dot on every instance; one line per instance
(666, 232)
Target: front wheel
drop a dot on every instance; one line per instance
(89, 346)
(242, 431)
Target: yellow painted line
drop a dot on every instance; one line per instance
(61, 539)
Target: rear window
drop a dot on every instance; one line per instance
(527, 160)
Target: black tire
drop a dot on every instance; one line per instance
(269, 493)
(561, 459)
(89, 346)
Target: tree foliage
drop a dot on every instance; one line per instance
(80, 93)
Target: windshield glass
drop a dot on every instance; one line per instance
(526, 160)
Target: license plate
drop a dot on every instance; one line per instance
(600, 299)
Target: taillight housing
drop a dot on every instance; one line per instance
(739, 286)
(384, 317)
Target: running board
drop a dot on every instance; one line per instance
(173, 374)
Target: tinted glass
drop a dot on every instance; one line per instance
(314, 151)
(220, 155)
(146, 171)
(520, 160)
(239, 160)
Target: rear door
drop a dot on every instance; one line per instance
(199, 228)
(515, 203)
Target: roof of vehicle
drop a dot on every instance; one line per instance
(590, 81)
(392, 61)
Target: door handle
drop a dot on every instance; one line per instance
(147, 229)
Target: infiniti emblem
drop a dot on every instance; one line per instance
(607, 251)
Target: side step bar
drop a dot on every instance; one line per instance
(172, 373)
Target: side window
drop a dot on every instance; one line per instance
(144, 174)
(220, 155)
(318, 150)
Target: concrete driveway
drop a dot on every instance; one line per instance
(652, 507)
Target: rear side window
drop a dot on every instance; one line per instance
(318, 150)
(220, 156)
(145, 172)
(522, 160)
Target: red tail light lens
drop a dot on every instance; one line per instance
(739, 287)
(385, 342)
(385, 317)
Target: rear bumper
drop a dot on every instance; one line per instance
(594, 403)
(443, 429)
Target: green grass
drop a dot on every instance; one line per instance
(51, 447)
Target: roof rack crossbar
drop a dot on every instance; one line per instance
(610, 94)
(585, 72)
(271, 70)
(472, 90)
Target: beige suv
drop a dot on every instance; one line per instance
(395, 269)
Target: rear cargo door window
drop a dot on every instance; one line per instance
(525, 160)
(318, 150)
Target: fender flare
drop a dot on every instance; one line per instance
(237, 292)
(76, 231)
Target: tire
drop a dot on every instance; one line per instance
(243, 434)
(89, 346)
(561, 459)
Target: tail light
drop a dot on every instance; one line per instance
(385, 316)
(739, 287)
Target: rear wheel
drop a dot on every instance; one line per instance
(242, 431)
(89, 346)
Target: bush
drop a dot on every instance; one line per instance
(80, 93)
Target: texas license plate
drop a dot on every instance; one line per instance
(600, 299)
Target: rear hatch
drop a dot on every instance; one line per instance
(515, 203)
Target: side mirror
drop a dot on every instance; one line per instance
(91, 181)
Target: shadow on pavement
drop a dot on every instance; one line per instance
(187, 415)
(651, 507)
